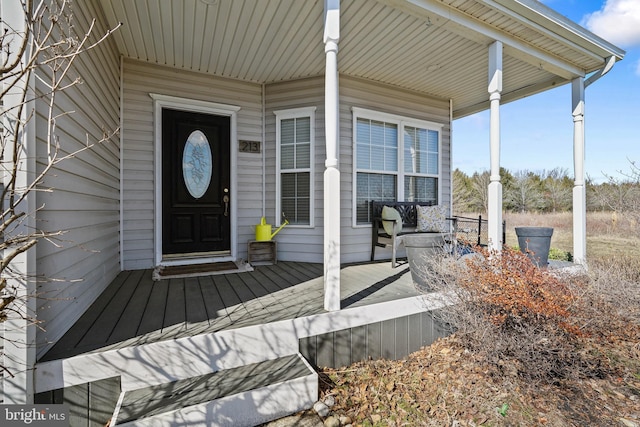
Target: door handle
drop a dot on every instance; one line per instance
(225, 199)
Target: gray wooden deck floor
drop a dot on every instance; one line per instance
(136, 310)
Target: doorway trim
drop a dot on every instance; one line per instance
(191, 105)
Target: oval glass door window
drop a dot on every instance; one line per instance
(196, 164)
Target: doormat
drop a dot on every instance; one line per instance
(195, 270)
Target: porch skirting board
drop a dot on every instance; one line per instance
(392, 339)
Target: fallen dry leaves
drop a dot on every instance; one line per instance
(446, 385)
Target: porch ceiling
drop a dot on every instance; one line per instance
(433, 47)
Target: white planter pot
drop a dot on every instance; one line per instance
(419, 247)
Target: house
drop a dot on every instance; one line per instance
(230, 111)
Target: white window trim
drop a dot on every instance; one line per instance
(294, 113)
(401, 122)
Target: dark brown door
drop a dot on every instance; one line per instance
(195, 183)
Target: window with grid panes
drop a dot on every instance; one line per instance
(396, 159)
(294, 137)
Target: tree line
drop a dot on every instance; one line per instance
(546, 191)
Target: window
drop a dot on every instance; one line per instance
(396, 159)
(421, 164)
(294, 163)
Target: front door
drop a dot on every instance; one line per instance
(195, 183)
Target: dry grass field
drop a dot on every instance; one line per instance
(608, 235)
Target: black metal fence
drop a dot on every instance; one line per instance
(475, 230)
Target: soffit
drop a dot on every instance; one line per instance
(399, 43)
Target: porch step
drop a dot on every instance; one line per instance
(244, 396)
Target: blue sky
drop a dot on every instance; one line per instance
(537, 132)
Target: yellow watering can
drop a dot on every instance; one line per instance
(264, 232)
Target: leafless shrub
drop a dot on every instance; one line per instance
(611, 296)
(533, 323)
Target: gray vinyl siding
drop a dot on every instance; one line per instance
(141, 80)
(304, 244)
(299, 243)
(85, 197)
(355, 241)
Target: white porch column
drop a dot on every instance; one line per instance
(579, 187)
(19, 328)
(495, 187)
(331, 173)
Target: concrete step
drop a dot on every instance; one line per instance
(244, 396)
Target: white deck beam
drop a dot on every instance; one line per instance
(495, 186)
(332, 172)
(579, 187)
(474, 29)
(563, 31)
(557, 26)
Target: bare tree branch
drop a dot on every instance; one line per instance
(43, 47)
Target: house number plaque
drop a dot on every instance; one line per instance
(249, 146)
